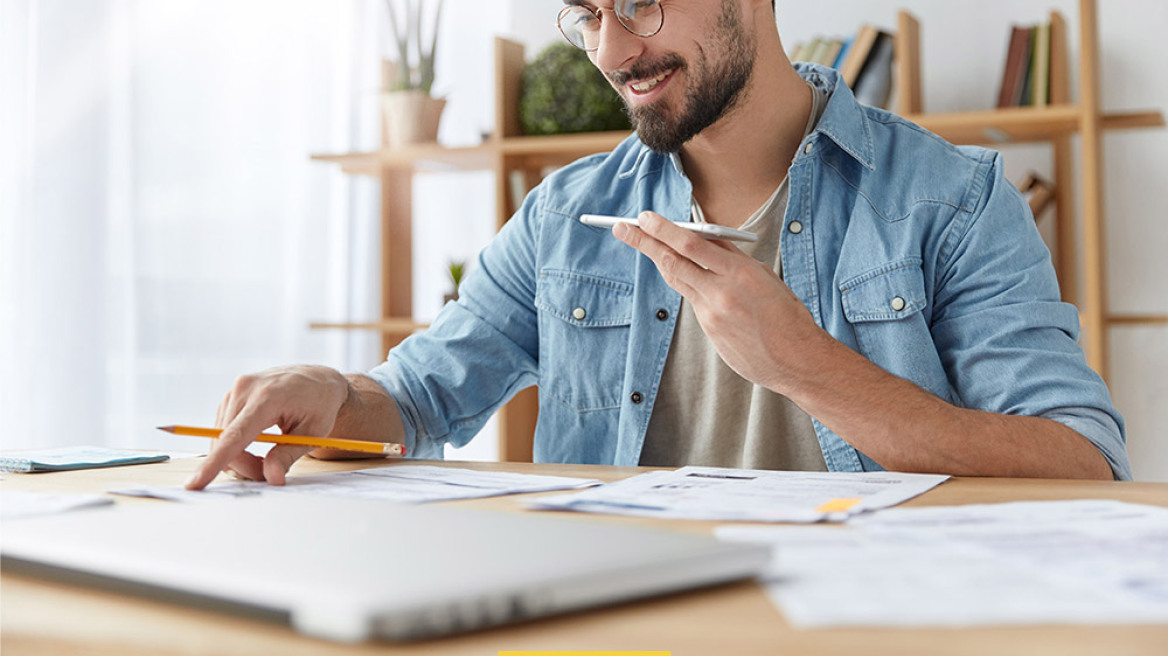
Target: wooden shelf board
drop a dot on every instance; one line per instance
(1137, 319)
(1012, 125)
(556, 149)
(587, 143)
(426, 157)
(353, 163)
(385, 326)
(1025, 124)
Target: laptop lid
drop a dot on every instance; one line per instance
(352, 569)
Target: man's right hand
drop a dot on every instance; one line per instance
(301, 400)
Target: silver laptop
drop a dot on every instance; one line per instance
(350, 570)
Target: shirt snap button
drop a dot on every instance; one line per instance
(795, 227)
(898, 304)
(807, 149)
(662, 315)
(636, 397)
(579, 314)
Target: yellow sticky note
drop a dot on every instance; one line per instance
(837, 505)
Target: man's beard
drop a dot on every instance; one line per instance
(713, 90)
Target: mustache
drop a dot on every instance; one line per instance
(643, 70)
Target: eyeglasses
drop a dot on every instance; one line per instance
(580, 25)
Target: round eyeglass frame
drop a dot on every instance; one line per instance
(597, 12)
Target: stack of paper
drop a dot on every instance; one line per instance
(714, 493)
(401, 483)
(1045, 562)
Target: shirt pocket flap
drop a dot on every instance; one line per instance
(887, 293)
(584, 300)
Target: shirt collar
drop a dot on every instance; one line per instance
(844, 121)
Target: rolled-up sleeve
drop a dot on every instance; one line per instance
(478, 353)
(1007, 341)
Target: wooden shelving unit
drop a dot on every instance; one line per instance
(507, 151)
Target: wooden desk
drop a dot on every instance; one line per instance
(38, 617)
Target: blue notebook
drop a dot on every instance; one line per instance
(74, 457)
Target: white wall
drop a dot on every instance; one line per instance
(963, 45)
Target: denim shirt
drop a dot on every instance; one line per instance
(915, 253)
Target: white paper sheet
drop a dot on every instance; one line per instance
(15, 504)
(402, 484)
(1121, 546)
(1053, 562)
(714, 493)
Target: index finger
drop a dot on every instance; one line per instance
(712, 255)
(229, 446)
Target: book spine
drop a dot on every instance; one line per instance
(858, 54)
(1017, 53)
(1040, 88)
(874, 85)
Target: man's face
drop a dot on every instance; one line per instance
(671, 97)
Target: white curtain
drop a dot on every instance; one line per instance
(162, 228)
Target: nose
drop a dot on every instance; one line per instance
(617, 48)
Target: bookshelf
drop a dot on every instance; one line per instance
(507, 151)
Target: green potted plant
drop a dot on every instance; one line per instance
(563, 92)
(454, 270)
(411, 114)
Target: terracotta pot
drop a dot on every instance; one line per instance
(410, 117)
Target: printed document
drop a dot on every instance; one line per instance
(402, 484)
(1044, 562)
(714, 493)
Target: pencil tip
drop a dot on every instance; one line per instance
(169, 429)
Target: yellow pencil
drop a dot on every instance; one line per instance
(380, 448)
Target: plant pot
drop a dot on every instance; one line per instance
(410, 117)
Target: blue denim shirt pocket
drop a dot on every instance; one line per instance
(584, 322)
(886, 308)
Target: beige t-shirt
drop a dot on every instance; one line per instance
(705, 413)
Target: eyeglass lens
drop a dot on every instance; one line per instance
(581, 26)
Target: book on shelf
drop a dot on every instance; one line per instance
(864, 61)
(831, 52)
(1017, 61)
(1023, 98)
(845, 46)
(1040, 67)
(802, 51)
(1033, 52)
(858, 54)
(819, 50)
(874, 85)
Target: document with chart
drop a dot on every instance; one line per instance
(751, 495)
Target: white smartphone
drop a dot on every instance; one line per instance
(706, 230)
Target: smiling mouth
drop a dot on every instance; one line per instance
(645, 86)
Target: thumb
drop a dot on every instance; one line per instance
(280, 459)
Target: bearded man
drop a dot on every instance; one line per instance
(898, 309)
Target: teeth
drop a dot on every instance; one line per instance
(647, 85)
